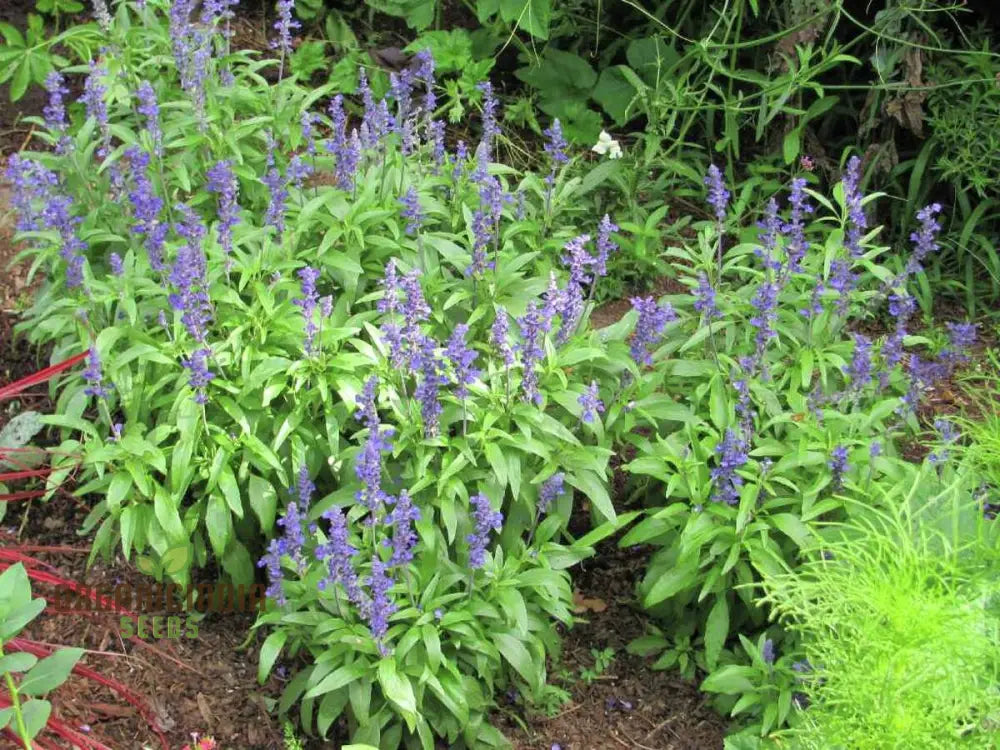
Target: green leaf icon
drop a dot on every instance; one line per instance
(147, 565)
(176, 560)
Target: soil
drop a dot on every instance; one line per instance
(628, 705)
(205, 685)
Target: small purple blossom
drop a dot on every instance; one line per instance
(551, 489)
(838, 465)
(704, 296)
(411, 211)
(653, 318)
(93, 376)
(857, 222)
(499, 335)
(308, 302)
(222, 181)
(199, 375)
(484, 520)
(732, 454)
(591, 403)
(718, 196)
(461, 358)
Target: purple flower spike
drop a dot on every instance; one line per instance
(924, 239)
(411, 211)
(718, 196)
(484, 520)
(591, 403)
(653, 318)
(704, 296)
(404, 538)
(338, 554)
(284, 26)
(550, 491)
(461, 358)
(308, 302)
(55, 110)
(199, 375)
(767, 652)
(381, 606)
(859, 372)
(838, 465)
(93, 376)
(605, 245)
(149, 108)
(499, 335)
(222, 182)
(857, 222)
(733, 454)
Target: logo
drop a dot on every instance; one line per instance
(160, 609)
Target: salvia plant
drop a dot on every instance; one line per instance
(322, 343)
(754, 401)
(216, 241)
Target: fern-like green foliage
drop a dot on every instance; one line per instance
(899, 616)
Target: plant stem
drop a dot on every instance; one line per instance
(15, 702)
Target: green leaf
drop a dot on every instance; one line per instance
(731, 679)
(17, 662)
(614, 93)
(512, 649)
(791, 145)
(167, 515)
(398, 690)
(50, 672)
(176, 559)
(340, 677)
(269, 651)
(716, 631)
(683, 576)
(263, 501)
(595, 490)
(36, 715)
(218, 521)
(792, 526)
(231, 490)
(530, 15)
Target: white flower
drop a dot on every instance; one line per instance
(607, 145)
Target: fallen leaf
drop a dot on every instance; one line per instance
(582, 603)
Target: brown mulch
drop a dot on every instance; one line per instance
(203, 685)
(17, 360)
(612, 311)
(629, 705)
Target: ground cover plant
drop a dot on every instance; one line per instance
(897, 612)
(315, 336)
